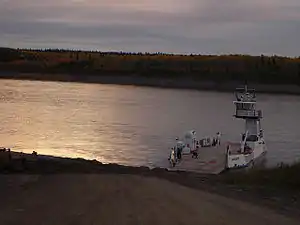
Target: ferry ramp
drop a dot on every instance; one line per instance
(211, 160)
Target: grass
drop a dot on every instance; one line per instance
(284, 176)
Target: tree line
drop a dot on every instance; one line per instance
(219, 68)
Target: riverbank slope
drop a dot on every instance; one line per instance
(91, 192)
(121, 199)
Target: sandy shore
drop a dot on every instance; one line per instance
(155, 81)
(53, 190)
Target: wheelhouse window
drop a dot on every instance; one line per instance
(244, 106)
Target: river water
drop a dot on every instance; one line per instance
(132, 125)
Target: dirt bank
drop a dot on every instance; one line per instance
(120, 199)
(30, 181)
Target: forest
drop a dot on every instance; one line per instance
(217, 68)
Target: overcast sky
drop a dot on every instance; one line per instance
(178, 26)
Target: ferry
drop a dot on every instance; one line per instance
(211, 154)
(252, 145)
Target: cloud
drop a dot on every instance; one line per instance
(207, 26)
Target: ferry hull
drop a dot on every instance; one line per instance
(247, 160)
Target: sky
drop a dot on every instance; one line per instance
(252, 27)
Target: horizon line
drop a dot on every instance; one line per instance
(149, 52)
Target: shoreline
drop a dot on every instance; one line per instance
(158, 82)
(281, 199)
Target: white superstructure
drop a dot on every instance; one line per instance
(252, 145)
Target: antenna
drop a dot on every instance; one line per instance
(246, 86)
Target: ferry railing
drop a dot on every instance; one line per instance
(248, 113)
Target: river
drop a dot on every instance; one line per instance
(132, 125)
